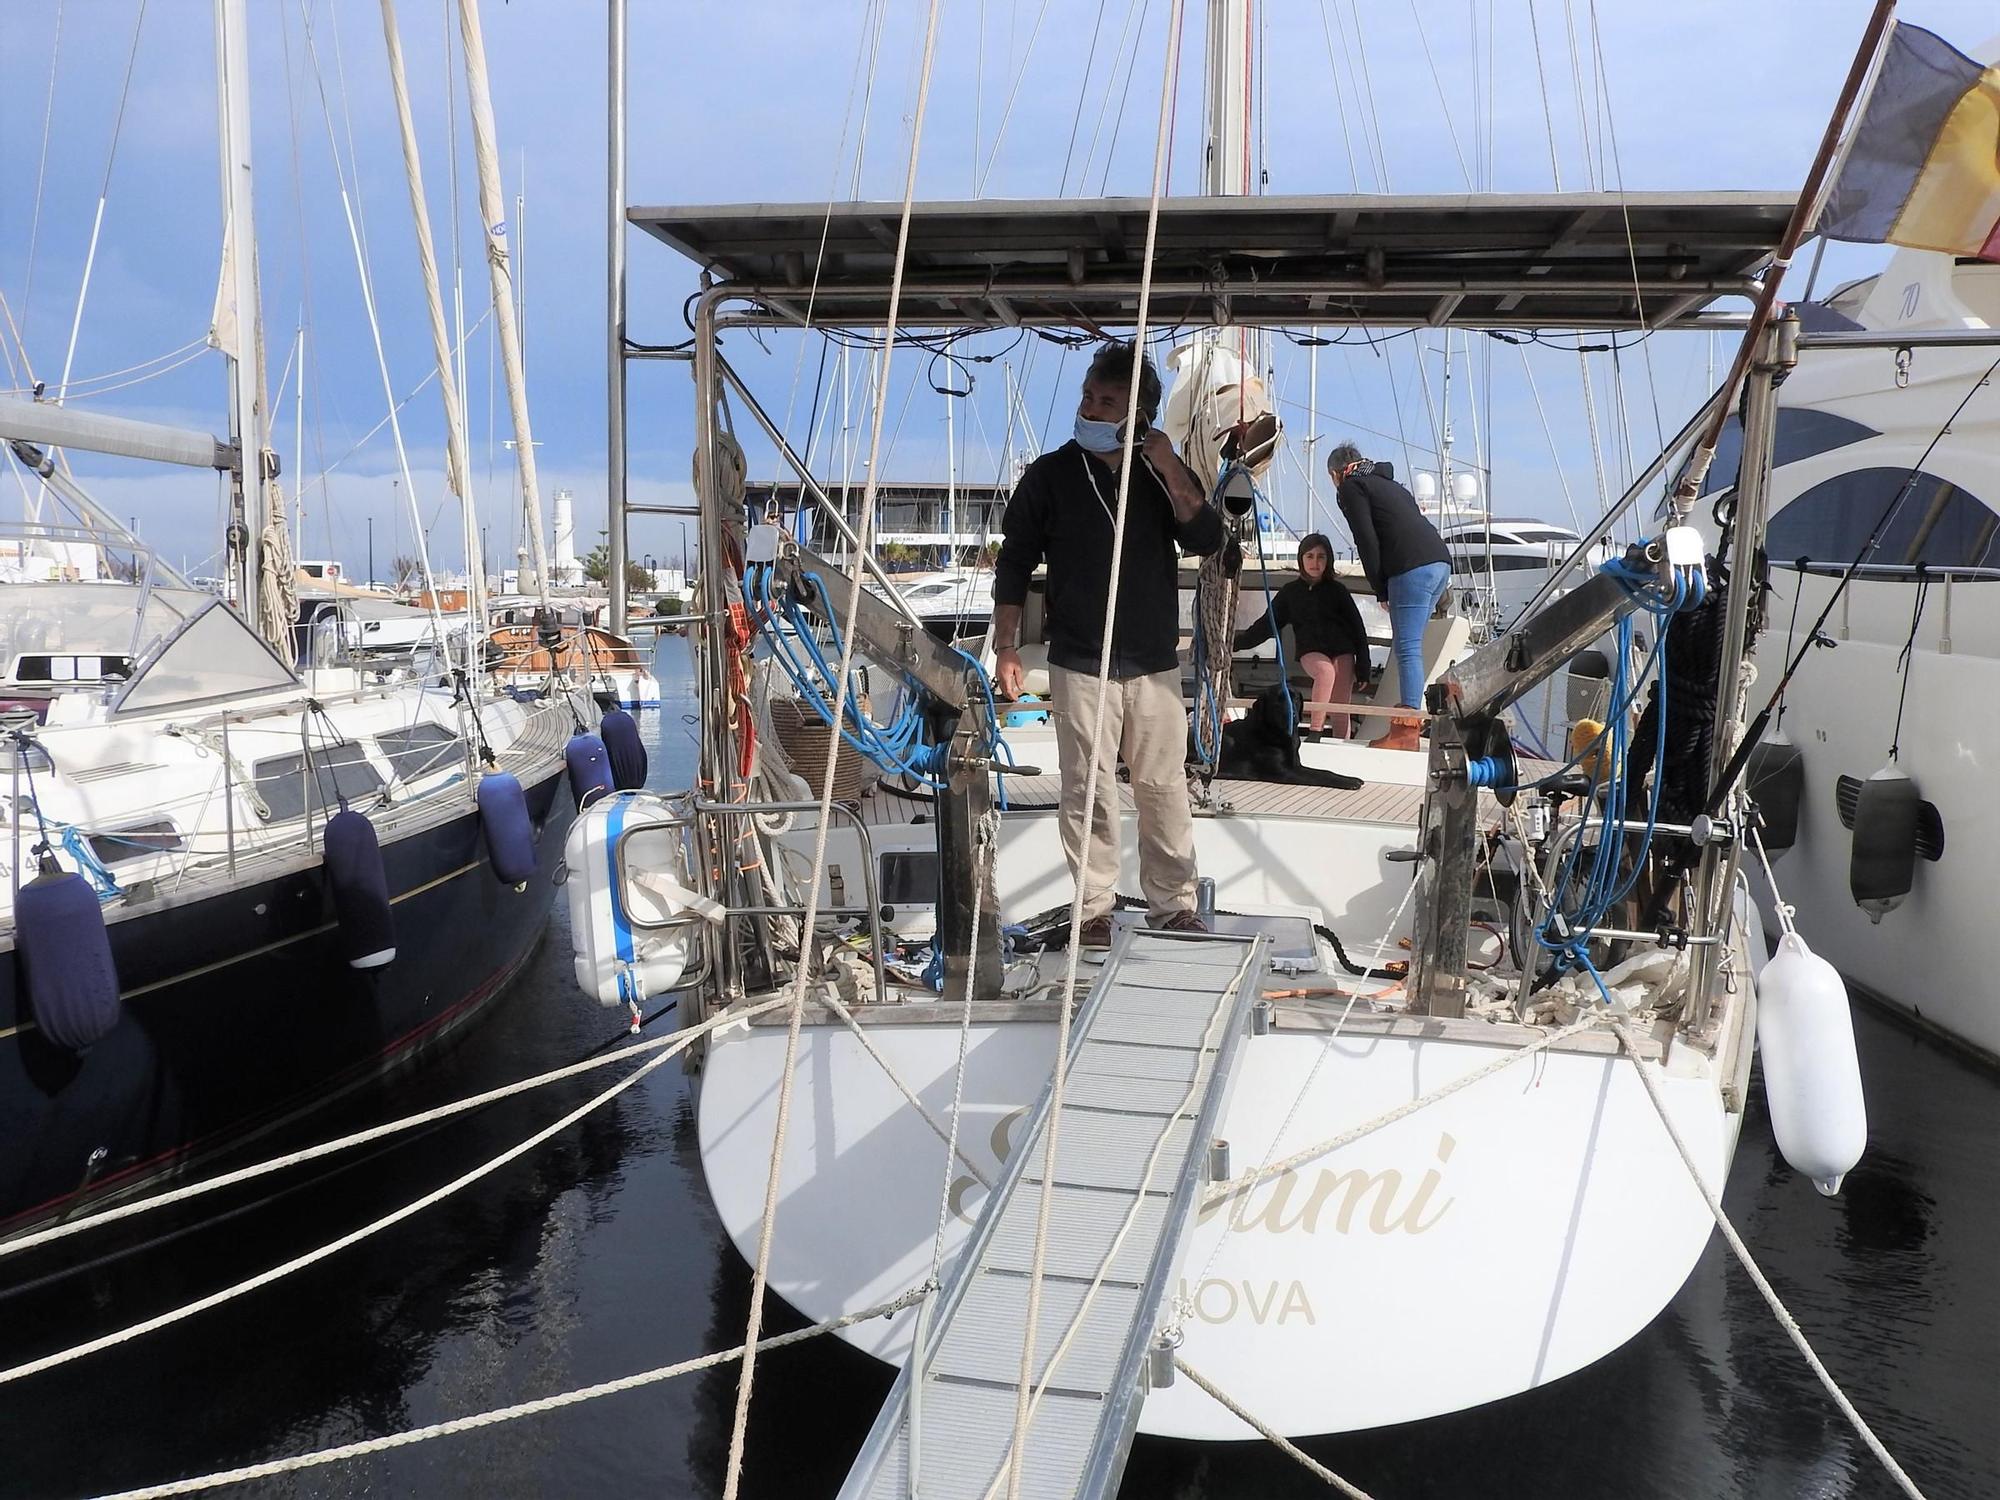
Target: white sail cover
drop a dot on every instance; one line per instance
(1213, 397)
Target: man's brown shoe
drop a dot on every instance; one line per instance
(1096, 933)
(1183, 921)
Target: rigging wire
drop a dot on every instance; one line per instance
(1134, 10)
(1124, 92)
(42, 166)
(1631, 250)
(1444, 104)
(1082, 93)
(1905, 659)
(1339, 99)
(198, 344)
(1015, 1462)
(103, 197)
(357, 236)
(1555, 455)
(455, 214)
(187, 358)
(1007, 113)
(1548, 108)
(1590, 170)
(854, 86)
(1358, 63)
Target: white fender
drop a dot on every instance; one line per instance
(630, 891)
(1812, 1075)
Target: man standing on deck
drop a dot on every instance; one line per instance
(1062, 511)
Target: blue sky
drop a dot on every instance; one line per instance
(760, 100)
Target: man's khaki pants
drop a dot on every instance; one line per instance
(1143, 720)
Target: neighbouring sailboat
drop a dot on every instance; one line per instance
(297, 872)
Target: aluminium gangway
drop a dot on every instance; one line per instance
(1152, 1055)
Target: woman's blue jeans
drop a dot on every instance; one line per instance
(1413, 599)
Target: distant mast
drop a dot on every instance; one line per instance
(235, 328)
(492, 208)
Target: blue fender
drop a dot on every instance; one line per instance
(66, 964)
(510, 833)
(589, 768)
(360, 888)
(620, 733)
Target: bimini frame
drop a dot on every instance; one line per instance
(1572, 261)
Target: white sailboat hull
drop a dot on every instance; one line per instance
(1488, 1244)
(1927, 412)
(1924, 957)
(633, 687)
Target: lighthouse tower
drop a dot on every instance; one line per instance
(564, 563)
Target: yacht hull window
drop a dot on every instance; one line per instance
(1936, 524)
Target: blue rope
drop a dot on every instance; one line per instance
(888, 749)
(1597, 888)
(874, 746)
(87, 861)
(900, 747)
(1207, 706)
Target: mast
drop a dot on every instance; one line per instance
(1227, 168)
(299, 440)
(614, 436)
(950, 486)
(1312, 439)
(235, 333)
(1445, 498)
(458, 466)
(493, 214)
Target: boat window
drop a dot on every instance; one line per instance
(1503, 562)
(1937, 523)
(909, 879)
(50, 668)
(1802, 432)
(136, 842)
(419, 750)
(339, 771)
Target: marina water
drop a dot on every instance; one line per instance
(597, 1255)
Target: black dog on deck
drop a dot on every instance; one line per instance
(1263, 745)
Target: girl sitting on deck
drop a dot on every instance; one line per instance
(1327, 632)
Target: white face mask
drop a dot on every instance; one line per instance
(1098, 437)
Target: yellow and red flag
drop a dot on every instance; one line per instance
(1923, 167)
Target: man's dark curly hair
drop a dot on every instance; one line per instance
(1113, 365)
